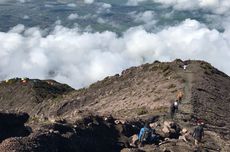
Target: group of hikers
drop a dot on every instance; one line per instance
(174, 105)
(148, 135)
(26, 80)
(22, 80)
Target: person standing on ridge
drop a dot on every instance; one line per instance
(185, 66)
(173, 109)
(179, 96)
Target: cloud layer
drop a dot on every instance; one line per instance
(79, 59)
(88, 1)
(216, 6)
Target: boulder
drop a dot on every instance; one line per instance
(13, 119)
(171, 129)
(131, 150)
(134, 140)
(12, 125)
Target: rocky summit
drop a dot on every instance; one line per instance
(47, 116)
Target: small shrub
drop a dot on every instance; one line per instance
(207, 72)
(157, 99)
(176, 77)
(171, 86)
(182, 80)
(34, 119)
(142, 111)
(166, 73)
(165, 68)
(162, 109)
(206, 66)
(173, 91)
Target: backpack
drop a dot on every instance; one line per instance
(176, 105)
(198, 132)
(146, 135)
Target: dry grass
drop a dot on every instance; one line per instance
(141, 111)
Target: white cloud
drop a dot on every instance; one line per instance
(26, 17)
(216, 6)
(71, 5)
(135, 2)
(23, 1)
(147, 17)
(48, 5)
(103, 8)
(101, 20)
(82, 58)
(18, 29)
(88, 1)
(73, 16)
(106, 5)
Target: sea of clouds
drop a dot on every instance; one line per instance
(216, 6)
(78, 58)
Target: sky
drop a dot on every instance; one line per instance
(78, 45)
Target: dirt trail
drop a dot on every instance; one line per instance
(186, 102)
(186, 107)
(212, 141)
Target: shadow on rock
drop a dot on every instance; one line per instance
(12, 125)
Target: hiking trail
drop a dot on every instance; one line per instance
(186, 107)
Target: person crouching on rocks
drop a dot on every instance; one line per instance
(147, 135)
(198, 133)
(185, 134)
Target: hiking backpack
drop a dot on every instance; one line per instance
(146, 135)
(175, 104)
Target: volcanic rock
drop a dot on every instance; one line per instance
(12, 125)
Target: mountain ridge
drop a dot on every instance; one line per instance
(121, 104)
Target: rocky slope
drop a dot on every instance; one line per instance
(211, 99)
(104, 116)
(147, 89)
(28, 95)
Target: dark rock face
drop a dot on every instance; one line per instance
(36, 142)
(13, 119)
(12, 125)
(90, 134)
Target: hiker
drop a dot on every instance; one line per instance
(185, 66)
(198, 132)
(147, 135)
(173, 108)
(24, 80)
(175, 130)
(185, 134)
(155, 138)
(179, 96)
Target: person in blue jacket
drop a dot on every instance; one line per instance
(147, 135)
